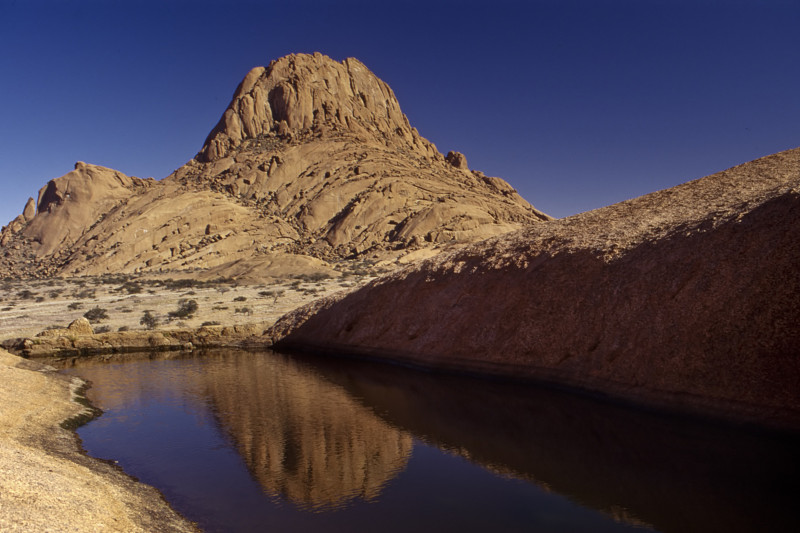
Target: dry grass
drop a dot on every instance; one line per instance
(28, 307)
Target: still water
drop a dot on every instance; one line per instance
(241, 441)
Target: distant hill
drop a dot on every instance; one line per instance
(313, 161)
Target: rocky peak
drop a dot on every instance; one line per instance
(303, 93)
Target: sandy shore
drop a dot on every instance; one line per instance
(46, 482)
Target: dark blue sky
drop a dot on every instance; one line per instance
(578, 104)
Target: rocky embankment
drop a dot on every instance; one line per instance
(46, 482)
(79, 339)
(687, 298)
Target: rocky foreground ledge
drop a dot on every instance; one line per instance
(79, 339)
(687, 298)
(46, 482)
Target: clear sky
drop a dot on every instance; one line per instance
(578, 104)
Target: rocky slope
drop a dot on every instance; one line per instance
(687, 297)
(312, 158)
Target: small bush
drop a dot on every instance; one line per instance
(220, 308)
(244, 310)
(132, 287)
(186, 308)
(102, 329)
(210, 323)
(148, 320)
(75, 305)
(123, 328)
(95, 314)
(25, 295)
(54, 293)
(84, 294)
(240, 299)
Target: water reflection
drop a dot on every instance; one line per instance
(325, 433)
(303, 437)
(673, 474)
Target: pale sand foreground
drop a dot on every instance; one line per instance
(46, 482)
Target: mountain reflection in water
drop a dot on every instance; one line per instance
(302, 436)
(326, 433)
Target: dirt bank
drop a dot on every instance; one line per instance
(46, 482)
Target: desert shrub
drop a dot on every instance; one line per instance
(86, 293)
(102, 329)
(8, 308)
(210, 323)
(131, 287)
(149, 320)
(186, 308)
(123, 328)
(75, 305)
(95, 314)
(39, 299)
(240, 299)
(316, 276)
(126, 310)
(54, 293)
(244, 310)
(25, 294)
(178, 284)
(220, 308)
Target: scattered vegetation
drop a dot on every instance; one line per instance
(102, 329)
(244, 310)
(25, 294)
(75, 305)
(210, 323)
(240, 299)
(316, 276)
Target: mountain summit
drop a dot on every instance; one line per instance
(313, 94)
(312, 161)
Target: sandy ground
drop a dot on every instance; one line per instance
(46, 482)
(28, 307)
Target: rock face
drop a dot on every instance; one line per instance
(687, 297)
(312, 157)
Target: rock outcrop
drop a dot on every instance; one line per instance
(312, 157)
(687, 297)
